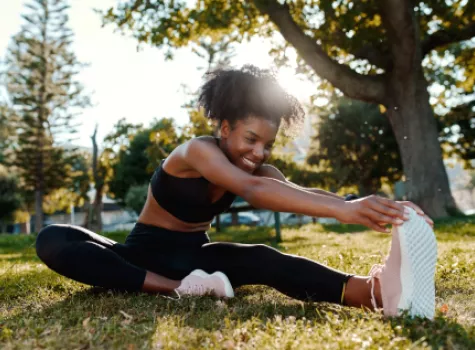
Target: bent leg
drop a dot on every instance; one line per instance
(87, 257)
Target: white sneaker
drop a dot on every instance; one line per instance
(198, 282)
(418, 261)
(407, 277)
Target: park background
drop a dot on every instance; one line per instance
(130, 85)
(93, 94)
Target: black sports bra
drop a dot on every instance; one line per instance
(187, 198)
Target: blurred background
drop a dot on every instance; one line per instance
(93, 94)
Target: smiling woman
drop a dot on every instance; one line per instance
(169, 249)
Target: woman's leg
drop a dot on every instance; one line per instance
(295, 276)
(92, 259)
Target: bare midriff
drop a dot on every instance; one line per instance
(153, 214)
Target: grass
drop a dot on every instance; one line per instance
(40, 309)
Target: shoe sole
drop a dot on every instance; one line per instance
(418, 261)
(228, 288)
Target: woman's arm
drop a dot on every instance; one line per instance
(270, 171)
(276, 195)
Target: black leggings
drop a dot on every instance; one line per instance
(98, 261)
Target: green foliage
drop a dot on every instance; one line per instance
(134, 165)
(136, 197)
(7, 131)
(356, 34)
(458, 133)
(164, 138)
(199, 125)
(41, 73)
(10, 198)
(347, 30)
(355, 143)
(131, 166)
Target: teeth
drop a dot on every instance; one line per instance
(248, 162)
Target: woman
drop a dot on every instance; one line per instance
(169, 249)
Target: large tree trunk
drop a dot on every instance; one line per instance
(416, 132)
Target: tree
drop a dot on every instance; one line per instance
(10, 198)
(45, 95)
(370, 50)
(136, 197)
(93, 217)
(356, 143)
(135, 164)
(7, 131)
(458, 131)
(217, 54)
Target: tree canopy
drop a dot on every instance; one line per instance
(357, 145)
(376, 51)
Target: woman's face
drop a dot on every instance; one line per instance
(249, 143)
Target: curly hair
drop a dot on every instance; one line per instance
(236, 94)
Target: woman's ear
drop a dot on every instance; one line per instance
(225, 129)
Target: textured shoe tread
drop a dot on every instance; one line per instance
(419, 247)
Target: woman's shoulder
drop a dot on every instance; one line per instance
(196, 146)
(201, 141)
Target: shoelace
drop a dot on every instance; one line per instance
(375, 272)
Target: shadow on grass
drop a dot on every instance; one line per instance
(10, 244)
(442, 332)
(124, 318)
(344, 228)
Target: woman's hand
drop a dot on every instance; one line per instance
(374, 212)
(418, 211)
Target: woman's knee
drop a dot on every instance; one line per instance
(49, 241)
(264, 250)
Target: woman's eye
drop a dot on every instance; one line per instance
(250, 140)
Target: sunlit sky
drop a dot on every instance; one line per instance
(124, 82)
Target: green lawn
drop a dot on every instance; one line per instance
(40, 309)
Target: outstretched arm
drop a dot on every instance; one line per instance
(272, 172)
(276, 195)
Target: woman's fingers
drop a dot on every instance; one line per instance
(378, 217)
(413, 206)
(419, 211)
(388, 208)
(390, 203)
(375, 226)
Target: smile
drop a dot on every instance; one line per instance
(249, 163)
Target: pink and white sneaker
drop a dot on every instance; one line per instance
(198, 282)
(407, 277)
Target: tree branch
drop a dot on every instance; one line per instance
(373, 56)
(446, 37)
(352, 84)
(367, 52)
